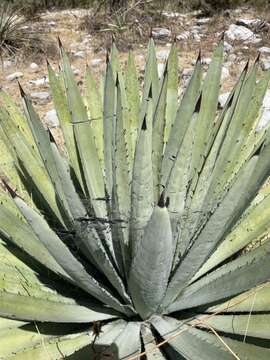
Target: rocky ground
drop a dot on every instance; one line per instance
(246, 34)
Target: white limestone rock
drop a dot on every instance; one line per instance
(225, 73)
(222, 99)
(185, 35)
(96, 62)
(80, 54)
(264, 50)
(265, 64)
(51, 119)
(39, 82)
(34, 67)
(14, 76)
(161, 33)
(265, 112)
(40, 95)
(239, 33)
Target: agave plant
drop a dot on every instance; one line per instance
(131, 240)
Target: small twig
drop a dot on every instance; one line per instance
(223, 342)
(249, 316)
(43, 342)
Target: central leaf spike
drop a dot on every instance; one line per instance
(151, 264)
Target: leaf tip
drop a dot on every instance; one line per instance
(199, 58)
(9, 189)
(165, 69)
(246, 66)
(117, 80)
(59, 42)
(222, 37)
(21, 90)
(257, 58)
(48, 64)
(231, 100)
(198, 104)
(259, 150)
(161, 201)
(150, 93)
(52, 140)
(107, 56)
(144, 126)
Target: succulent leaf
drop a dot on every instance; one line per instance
(130, 239)
(151, 265)
(94, 104)
(142, 192)
(133, 98)
(64, 116)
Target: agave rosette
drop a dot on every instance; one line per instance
(137, 227)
